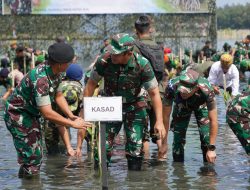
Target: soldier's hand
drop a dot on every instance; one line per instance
(73, 117)
(160, 129)
(78, 152)
(216, 90)
(71, 151)
(79, 123)
(211, 156)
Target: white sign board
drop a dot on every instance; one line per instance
(103, 108)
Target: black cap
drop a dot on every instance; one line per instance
(61, 53)
(143, 20)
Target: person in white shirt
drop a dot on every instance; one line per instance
(224, 69)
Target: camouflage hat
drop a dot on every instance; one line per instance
(226, 59)
(40, 58)
(245, 65)
(120, 43)
(188, 80)
(72, 98)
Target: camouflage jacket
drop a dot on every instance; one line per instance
(239, 108)
(205, 95)
(36, 89)
(125, 80)
(73, 93)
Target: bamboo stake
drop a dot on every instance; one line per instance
(33, 61)
(12, 74)
(24, 65)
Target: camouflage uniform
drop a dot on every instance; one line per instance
(22, 114)
(126, 81)
(238, 119)
(201, 102)
(73, 93)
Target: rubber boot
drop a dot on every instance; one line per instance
(134, 163)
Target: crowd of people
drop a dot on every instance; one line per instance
(44, 90)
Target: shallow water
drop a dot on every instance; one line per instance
(231, 171)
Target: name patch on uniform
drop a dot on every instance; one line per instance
(103, 108)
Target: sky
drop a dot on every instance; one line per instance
(222, 3)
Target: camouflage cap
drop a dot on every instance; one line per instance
(245, 65)
(40, 58)
(72, 99)
(120, 43)
(188, 81)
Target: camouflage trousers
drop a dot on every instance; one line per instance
(53, 141)
(134, 124)
(241, 129)
(27, 138)
(150, 132)
(179, 125)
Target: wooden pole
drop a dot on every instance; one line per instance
(24, 65)
(33, 61)
(12, 74)
(180, 54)
(103, 156)
(191, 56)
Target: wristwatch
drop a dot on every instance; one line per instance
(211, 147)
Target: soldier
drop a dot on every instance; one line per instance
(72, 90)
(23, 60)
(207, 51)
(190, 92)
(32, 98)
(12, 51)
(125, 73)
(144, 29)
(238, 112)
(238, 118)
